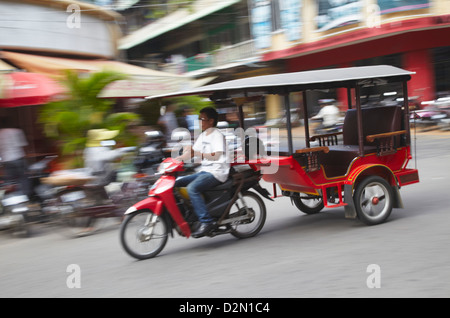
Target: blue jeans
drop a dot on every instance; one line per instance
(196, 184)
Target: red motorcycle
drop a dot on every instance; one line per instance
(238, 211)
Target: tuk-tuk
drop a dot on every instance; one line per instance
(360, 168)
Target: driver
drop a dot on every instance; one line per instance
(214, 169)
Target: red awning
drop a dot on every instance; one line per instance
(24, 88)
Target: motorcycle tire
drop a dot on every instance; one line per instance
(137, 234)
(257, 206)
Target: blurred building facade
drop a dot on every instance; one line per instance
(232, 39)
(59, 27)
(34, 29)
(48, 37)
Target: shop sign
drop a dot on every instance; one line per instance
(261, 23)
(290, 19)
(337, 13)
(389, 6)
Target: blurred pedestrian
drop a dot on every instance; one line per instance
(98, 160)
(12, 153)
(329, 114)
(98, 157)
(168, 120)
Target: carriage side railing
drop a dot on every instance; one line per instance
(326, 139)
(386, 143)
(310, 157)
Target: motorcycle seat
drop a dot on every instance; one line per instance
(223, 186)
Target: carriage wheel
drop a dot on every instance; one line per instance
(308, 204)
(373, 199)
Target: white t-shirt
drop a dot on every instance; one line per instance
(97, 159)
(212, 140)
(12, 141)
(329, 114)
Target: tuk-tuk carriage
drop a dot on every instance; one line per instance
(360, 168)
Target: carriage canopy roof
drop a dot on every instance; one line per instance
(290, 82)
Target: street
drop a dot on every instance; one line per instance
(295, 255)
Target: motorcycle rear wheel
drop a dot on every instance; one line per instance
(143, 234)
(257, 207)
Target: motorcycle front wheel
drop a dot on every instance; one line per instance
(143, 234)
(251, 205)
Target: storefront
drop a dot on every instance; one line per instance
(28, 81)
(419, 49)
(412, 34)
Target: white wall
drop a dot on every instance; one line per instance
(25, 25)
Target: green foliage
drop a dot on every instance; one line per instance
(158, 10)
(69, 120)
(194, 102)
(149, 110)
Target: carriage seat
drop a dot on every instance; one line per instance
(376, 120)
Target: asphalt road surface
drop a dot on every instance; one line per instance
(295, 255)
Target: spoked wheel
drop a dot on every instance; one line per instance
(373, 199)
(143, 234)
(73, 223)
(252, 206)
(76, 226)
(309, 204)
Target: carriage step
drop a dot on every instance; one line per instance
(339, 191)
(335, 205)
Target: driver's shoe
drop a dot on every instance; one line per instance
(203, 230)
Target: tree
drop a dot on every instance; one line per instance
(149, 110)
(68, 120)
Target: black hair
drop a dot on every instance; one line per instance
(211, 113)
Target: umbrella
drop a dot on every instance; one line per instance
(25, 88)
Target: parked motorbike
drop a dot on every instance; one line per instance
(151, 153)
(14, 211)
(81, 200)
(435, 114)
(427, 118)
(148, 223)
(19, 211)
(40, 169)
(81, 206)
